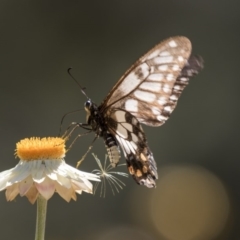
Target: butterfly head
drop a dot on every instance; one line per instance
(88, 105)
(92, 112)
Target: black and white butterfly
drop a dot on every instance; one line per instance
(147, 93)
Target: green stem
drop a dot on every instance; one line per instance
(41, 218)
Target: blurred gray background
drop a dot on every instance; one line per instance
(197, 150)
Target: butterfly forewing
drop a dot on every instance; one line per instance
(146, 88)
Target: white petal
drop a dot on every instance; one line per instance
(32, 194)
(73, 173)
(80, 191)
(46, 188)
(50, 171)
(38, 173)
(6, 174)
(65, 193)
(61, 169)
(19, 173)
(63, 181)
(16, 174)
(25, 185)
(4, 177)
(33, 165)
(74, 196)
(53, 165)
(77, 174)
(12, 192)
(51, 175)
(85, 186)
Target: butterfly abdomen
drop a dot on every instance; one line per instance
(112, 148)
(114, 155)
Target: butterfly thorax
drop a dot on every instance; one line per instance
(94, 118)
(98, 124)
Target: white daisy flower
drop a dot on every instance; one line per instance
(42, 170)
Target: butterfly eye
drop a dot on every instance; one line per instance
(88, 105)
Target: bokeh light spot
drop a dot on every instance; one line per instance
(189, 203)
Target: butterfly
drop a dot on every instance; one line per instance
(146, 94)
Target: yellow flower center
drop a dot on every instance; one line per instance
(36, 148)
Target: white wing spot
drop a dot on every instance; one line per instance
(120, 116)
(121, 131)
(134, 145)
(155, 110)
(172, 44)
(175, 67)
(163, 67)
(168, 109)
(151, 86)
(161, 118)
(180, 59)
(145, 96)
(184, 79)
(131, 105)
(153, 54)
(177, 87)
(134, 121)
(134, 137)
(166, 88)
(123, 144)
(162, 100)
(128, 126)
(132, 80)
(173, 98)
(131, 147)
(155, 77)
(161, 60)
(164, 53)
(152, 69)
(170, 77)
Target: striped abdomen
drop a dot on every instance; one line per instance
(112, 149)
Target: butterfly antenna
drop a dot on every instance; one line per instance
(82, 88)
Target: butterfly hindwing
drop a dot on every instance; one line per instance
(131, 138)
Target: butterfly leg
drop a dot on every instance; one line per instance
(75, 125)
(78, 136)
(89, 149)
